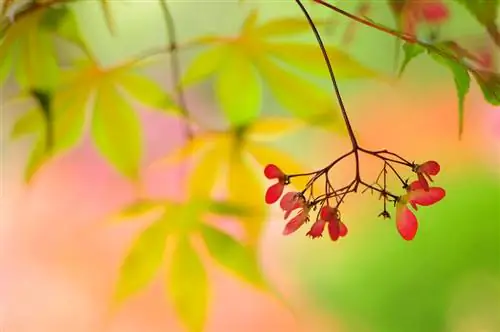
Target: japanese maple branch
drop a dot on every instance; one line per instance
(332, 75)
(383, 155)
(403, 36)
(492, 31)
(175, 65)
(418, 192)
(354, 142)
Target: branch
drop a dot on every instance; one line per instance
(406, 37)
(495, 35)
(332, 75)
(175, 64)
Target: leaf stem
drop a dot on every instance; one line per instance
(175, 64)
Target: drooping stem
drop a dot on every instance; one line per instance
(175, 64)
(381, 191)
(395, 172)
(332, 75)
(384, 155)
(385, 185)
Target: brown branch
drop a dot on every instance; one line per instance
(333, 79)
(406, 37)
(457, 53)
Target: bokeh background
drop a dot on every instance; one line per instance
(59, 257)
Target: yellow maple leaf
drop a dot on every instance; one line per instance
(237, 158)
(115, 126)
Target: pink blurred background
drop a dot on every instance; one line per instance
(60, 255)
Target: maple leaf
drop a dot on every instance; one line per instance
(187, 283)
(35, 64)
(255, 57)
(231, 155)
(30, 41)
(32, 124)
(461, 64)
(115, 125)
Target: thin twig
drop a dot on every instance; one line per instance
(175, 64)
(492, 31)
(405, 37)
(397, 174)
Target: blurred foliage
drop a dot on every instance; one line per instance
(259, 57)
(228, 156)
(453, 57)
(255, 49)
(187, 283)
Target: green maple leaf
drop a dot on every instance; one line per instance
(411, 51)
(461, 78)
(458, 61)
(490, 86)
(255, 57)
